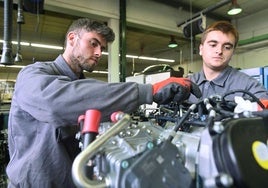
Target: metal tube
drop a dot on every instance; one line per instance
(206, 10)
(7, 57)
(80, 161)
(122, 40)
(20, 20)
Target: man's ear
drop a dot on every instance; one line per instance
(71, 38)
(200, 49)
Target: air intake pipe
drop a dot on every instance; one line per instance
(79, 176)
(7, 58)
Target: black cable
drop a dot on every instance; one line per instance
(182, 119)
(246, 92)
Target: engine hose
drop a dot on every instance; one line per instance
(245, 92)
(182, 120)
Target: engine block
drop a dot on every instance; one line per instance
(180, 149)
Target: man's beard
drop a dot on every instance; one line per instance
(87, 67)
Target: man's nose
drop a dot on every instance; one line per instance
(219, 49)
(98, 51)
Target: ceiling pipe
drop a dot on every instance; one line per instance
(252, 43)
(205, 11)
(185, 6)
(122, 40)
(20, 21)
(7, 58)
(254, 39)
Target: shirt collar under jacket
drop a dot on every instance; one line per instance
(219, 80)
(64, 68)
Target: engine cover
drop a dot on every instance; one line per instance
(145, 170)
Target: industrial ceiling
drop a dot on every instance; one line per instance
(50, 28)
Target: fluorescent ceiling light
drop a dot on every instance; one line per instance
(36, 45)
(12, 66)
(100, 72)
(132, 56)
(21, 43)
(103, 53)
(147, 58)
(22, 66)
(166, 60)
(150, 58)
(47, 46)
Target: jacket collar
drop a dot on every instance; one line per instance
(64, 68)
(219, 80)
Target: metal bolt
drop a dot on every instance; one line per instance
(150, 145)
(124, 164)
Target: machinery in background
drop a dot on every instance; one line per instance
(204, 145)
(161, 68)
(6, 92)
(259, 73)
(4, 157)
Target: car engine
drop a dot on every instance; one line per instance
(207, 144)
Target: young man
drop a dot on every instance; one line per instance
(217, 77)
(50, 96)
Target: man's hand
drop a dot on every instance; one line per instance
(174, 90)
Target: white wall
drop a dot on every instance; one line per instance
(250, 28)
(140, 13)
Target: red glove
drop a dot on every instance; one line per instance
(174, 89)
(264, 103)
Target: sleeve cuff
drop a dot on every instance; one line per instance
(145, 94)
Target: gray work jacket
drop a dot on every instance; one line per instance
(47, 101)
(229, 80)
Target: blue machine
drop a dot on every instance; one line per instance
(265, 77)
(260, 73)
